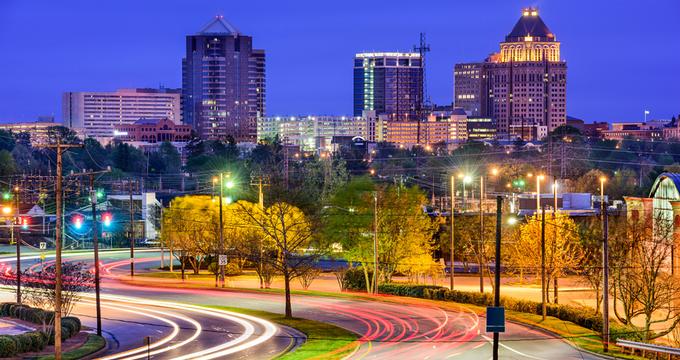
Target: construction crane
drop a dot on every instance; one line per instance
(424, 102)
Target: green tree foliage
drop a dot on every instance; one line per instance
(404, 231)
(7, 164)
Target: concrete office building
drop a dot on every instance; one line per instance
(223, 83)
(313, 132)
(96, 114)
(388, 83)
(523, 85)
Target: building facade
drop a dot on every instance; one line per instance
(223, 83)
(95, 114)
(152, 131)
(38, 132)
(523, 84)
(313, 132)
(470, 88)
(389, 84)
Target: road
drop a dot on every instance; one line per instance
(388, 330)
(174, 330)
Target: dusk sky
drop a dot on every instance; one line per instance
(623, 56)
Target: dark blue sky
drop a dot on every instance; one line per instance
(623, 56)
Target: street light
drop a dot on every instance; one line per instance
(453, 229)
(605, 267)
(538, 192)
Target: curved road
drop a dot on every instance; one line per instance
(174, 330)
(388, 330)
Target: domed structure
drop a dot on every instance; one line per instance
(530, 40)
(530, 25)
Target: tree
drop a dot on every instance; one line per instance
(348, 221)
(38, 289)
(589, 182)
(288, 240)
(189, 226)
(562, 246)
(405, 232)
(7, 165)
(643, 279)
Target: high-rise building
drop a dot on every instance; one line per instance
(523, 85)
(470, 88)
(389, 84)
(95, 114)
(223, 83)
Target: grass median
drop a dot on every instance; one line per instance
(324, 341)
(93, 344)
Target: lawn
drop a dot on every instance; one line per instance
(93, 344)
(324, 341)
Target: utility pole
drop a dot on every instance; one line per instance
(480, 246)
(18, 241)
(375, 242)
(260, 181)
(95, 245)
(497, 270)
(453, 229)
(543, 284)
(60, 148)
(132, 232)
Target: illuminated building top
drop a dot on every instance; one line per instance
(530, 40)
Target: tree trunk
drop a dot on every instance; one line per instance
(555, 288)
(286, 280)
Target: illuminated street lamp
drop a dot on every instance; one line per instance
(7, 210)
(538, 192)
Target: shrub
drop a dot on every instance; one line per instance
(72, 324)
(8, 347)
(38, 340)
(354, 279)
(23, 342)
(405, 290)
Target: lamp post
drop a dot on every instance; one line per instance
(605, 268)
(538, 192)
(453, 201)
(18, 242)
(480, 246)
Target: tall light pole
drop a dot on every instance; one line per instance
(375, 242)
(605, 267)
(480, 246)
(18, 241)
(453, 229)
(538, 192)
(221, 245)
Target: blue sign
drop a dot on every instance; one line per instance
(495, 319)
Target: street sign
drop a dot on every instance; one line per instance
(43, 245)
(223, 260)
(495, 319)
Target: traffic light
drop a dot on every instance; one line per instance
(24, 223)
(106, 219)
(78, 222)
(99, 193)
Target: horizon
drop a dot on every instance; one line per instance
(112, 59)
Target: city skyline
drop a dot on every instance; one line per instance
(148, 51)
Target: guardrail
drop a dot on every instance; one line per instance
(646, 348)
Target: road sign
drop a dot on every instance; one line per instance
(223, 260)
(43, 245)
(495, 319)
